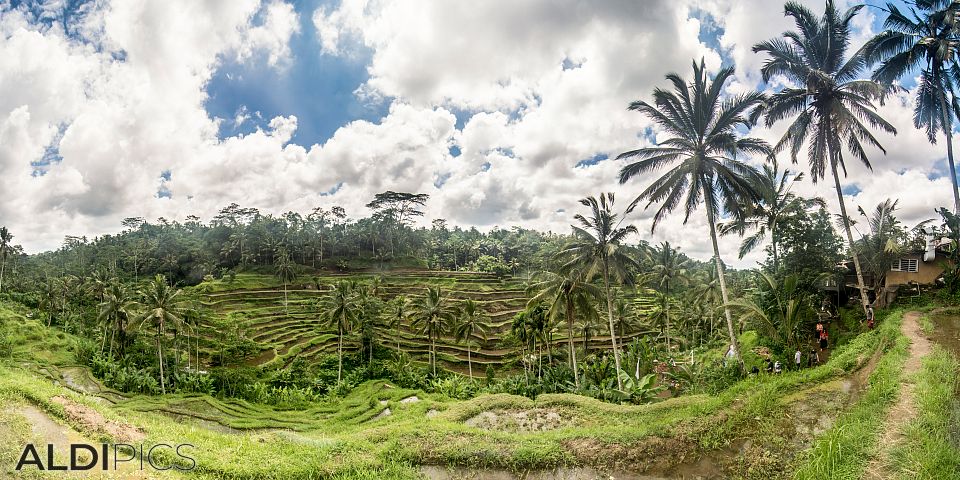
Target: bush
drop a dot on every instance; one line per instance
(84, 350)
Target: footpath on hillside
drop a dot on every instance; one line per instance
(905, 410)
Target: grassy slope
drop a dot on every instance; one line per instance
(344, 438)
(843, 451)
(255, 304)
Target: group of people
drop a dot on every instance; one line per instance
(775, 366)
(821, 338)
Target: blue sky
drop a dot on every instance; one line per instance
(317, 89)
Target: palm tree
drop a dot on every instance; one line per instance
(565, 292)
(472, 322)
(117, 307)
(5, 247)
(705, 146)
(669, 269)
(397, 313)
(597, 249)
(341, 310)
(286, 271)
(781, 312)
(776, 201)
(520, 329)
(624, 318)
(926, 39)
(433, 315)
(831, 104)
(163, 308)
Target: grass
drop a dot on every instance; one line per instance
(931, 445)
(345, 438)
(843, 451)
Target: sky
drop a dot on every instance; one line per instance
(506, 112)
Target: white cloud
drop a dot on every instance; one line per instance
(542, 86)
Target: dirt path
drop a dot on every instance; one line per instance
(905, 410)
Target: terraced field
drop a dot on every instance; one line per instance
(285, 330)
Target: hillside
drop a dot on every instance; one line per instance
(762, 427)
(286, 325)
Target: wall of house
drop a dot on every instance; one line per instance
(927, 273)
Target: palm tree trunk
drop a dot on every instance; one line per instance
(339, 355)
(573, 353)
(773, 247)
(723, 289)
(3, 261)
(433, 354)
(864, 301)
(103, 343)
(666, 314)
(112, 333)
(613, 335)
(163, 385)
(469, 361)
(285, 304)
(948, 130)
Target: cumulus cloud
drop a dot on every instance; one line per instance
(91, 117)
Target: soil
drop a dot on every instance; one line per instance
(905, 410)
(94, 421)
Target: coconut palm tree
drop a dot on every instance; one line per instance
(433, 315)
(564, 293)
(775, 202)
(598, 249)
(5, 247)
(340, 310)
(472, 322)
(669, 268)
(925, 39)
(830, 105)
(285, 270)
(397, 312)
(117, 307)
(162, 308)
(704, 147)
(781, 312)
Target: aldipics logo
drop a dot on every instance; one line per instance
(161, 456)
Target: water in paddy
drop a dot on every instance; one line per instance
(946, 331)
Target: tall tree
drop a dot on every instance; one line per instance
(473, 322)
(704, 145)
(398, 207)
(830, 103)
(926, 39)
(564, 293)
(397, 312)
(116, 308)
(433, 315)
(5, 247)
(776, 200)
(340, 310)
(598, 249)
(285, 270)
(669, 269)
(163, 307)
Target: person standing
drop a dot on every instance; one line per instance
(823, 340)
(818, 331)
(796, 359)
(870, 317)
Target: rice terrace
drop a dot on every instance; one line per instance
(510, 239)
